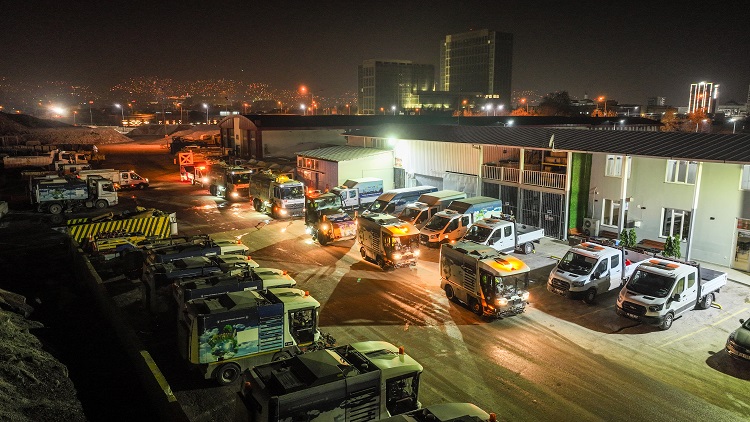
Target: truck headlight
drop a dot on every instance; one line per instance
(235, 195)
(525, 296)
(324, 227)
(397, 256)
(282, 211)
(205, 180)
(502, 301)
(578, 283)
(656, 308)
(416, 252)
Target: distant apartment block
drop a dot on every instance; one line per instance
(703, 96)
(388, 86)
(478, 61)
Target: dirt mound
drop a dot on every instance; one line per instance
(48, 132)
(36, 386)
(22, 122)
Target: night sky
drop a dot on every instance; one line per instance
(626, 51)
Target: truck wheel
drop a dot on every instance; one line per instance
(381, 262)
(707, 301)
(101, 204)
(257, 204)
(528, 248)
(322, 239)
(668, 319)
(363, 253)
(477, 307)
(590, 296)
(141, 186)
(281, 355)
(227, 373)
(55, 208)
(449, 292)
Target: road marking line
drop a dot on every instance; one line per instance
(704, 328)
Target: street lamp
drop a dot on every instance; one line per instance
(604, 100)
(302, 106)
(122, 112)
(206, 107)
(348, 111)
(74, 117)
(244, 108)
(91, 114)
(180, 106)
(734, 124)
(393, 107)
(382, 110)
(523, 101)
(499, 107)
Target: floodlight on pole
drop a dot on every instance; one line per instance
(206, 107)
(122, 113)
(393, 107)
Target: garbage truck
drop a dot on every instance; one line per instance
(325, 220)
(223, 335)
(277, 194)
(54, 195)
(365, 381)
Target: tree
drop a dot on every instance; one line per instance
(676, 247)
(521, 111)
(668, 247)
(697, 121)
(556, 104)
(669, 121)
(632, 238)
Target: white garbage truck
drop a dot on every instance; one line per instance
(491, 283)
(54, 195)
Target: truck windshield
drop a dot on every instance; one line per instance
(378, 206)
(402, 242)
(478, 234)
(330, 201)
(292, 192)
(437, 223)
(409, 214)
(510, 285)
(576, 263)
(240, 178)
(650, 284)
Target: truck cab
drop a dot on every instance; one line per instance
(504, 234)
(325, 220)
(131, 179)
(359, 193)
(451, 224)
(491, 283)
(368, 380)
(589, 269)
(419, 212)
(661, 290)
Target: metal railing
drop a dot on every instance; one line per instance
(528, 177)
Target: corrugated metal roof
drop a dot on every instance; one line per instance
(676, 145)
(342, 153)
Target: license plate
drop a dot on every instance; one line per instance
(634, 316)
(561, 292)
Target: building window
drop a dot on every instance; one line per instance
(614, 166)
(675, 222)
(307, 163)
(680, 171)
(611, 213)
(745, 183)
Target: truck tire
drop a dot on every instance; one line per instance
(667, 322)
(257, 205)
(322, 239)
(55, 208)
(142, 186)
(227, 373)
(590, 296)
(707, 301)
(449, 292)
(363, 253)
(381, 262)
(528, 248)
(101, 204)
(281, 355)
(477, 307)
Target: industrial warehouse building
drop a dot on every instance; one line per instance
(566, 174)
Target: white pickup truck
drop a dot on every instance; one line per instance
(590, 269)
(661, 290)
(504, 234)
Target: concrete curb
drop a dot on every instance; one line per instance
(151, 378)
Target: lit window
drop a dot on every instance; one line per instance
(675, 222)
(745, 183)
(613, 167)
(680, 171)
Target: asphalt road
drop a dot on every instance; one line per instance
(561, 360)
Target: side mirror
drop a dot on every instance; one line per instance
(597, 275)
(742, 321)
(676, 297)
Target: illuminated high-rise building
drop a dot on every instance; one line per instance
(388, 86)
(477, 61)
(703, 96)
